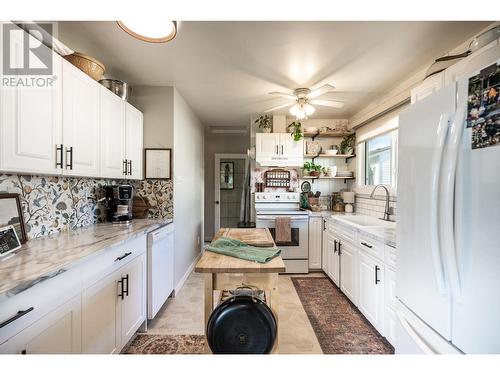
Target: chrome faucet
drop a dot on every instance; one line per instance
(388, 211)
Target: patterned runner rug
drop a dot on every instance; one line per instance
(166, 344)
(339, 326)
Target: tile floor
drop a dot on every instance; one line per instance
(184, 315)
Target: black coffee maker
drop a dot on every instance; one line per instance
(119, 203)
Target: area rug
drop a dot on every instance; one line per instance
(339, 326)
(167, 344)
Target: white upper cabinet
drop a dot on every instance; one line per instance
(278, 149)
(134, 142)
(80, 122)
(113, 134)
(30, 120)
(427, 87)
(291, 148)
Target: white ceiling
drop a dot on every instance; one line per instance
(225, 70)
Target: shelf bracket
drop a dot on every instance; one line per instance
(315, 135)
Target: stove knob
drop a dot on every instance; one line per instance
(265, 197)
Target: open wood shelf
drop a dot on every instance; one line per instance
(341, 156)
(338, 134)
(312, 178)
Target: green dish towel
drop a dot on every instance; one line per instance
(237, 249)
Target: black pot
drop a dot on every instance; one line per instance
(241, 325)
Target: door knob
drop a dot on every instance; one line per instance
(216, 202)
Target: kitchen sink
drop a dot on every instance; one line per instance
(366, 221)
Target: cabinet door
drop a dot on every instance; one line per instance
(324, 248)
(30, 118)
(315, 242)
(80, 122)
(101, 316)
(133, 310)
(371, 290)
(267, 145)
(348, 274)
(58, 332)
(134, 137)
(112, 135)
(333, 260)
(390, 305)
(428, 87)
(289, 147)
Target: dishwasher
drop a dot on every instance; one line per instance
(160, 267)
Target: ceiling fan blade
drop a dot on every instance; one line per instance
(278, 107)
(320, 91)
(327, 103)
(282, 94)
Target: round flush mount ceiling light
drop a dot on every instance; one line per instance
(154, 32)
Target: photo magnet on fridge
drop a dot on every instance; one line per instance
(483, 107)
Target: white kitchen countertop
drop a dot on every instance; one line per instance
(45, 257)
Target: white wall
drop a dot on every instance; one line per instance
(156, 103)
(188, 174)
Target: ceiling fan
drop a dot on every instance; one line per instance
(302, 101)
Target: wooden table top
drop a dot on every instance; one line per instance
(217, 263)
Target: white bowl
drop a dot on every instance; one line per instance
(330, 152)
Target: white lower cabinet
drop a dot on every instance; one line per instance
(58, 332)
(390, 305)
(333, 260)
(371, 290)
(315, 240)
(99, 317)
(348, 274)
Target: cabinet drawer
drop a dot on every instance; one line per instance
(390, 256)
(341, 232)
(23, 309)
(112, 259)
(370, 246)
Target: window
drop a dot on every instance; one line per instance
(380, 159)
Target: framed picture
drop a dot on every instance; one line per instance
(226, 175)
(9, 242)
(12, 214)
(158, 163)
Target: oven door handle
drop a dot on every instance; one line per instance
(273, 218)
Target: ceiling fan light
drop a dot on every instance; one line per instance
(152, 32)
(308, 109)
(301, 114)
(294, 110)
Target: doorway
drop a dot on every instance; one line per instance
(230, 173)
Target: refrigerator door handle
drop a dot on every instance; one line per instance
(442, 132)
(446, 209)
(413, 334)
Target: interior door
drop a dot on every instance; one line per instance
(134, 137)
(420, 277)
(30, 119)
(112, 112)
(133, 311)
(81, 130)
(101, 316)
(371, 290)
(348, 279)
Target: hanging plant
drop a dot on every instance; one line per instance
(265, 123)
(295, 128)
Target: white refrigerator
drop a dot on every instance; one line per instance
(448, 232)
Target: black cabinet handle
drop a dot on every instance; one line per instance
(281, 149)
(377, 268)
(324, 224)
(130, 167)
(19, 314)
(367, 245)
(126, 285)
(339, 248)
(70, 158)
(121, 294)
(23, 351)
(124, 170)
(334, 246)
(59, 150)
(277, 152)
(123, 256)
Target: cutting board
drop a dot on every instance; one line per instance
(259, 237)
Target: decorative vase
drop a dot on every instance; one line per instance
(266, 130)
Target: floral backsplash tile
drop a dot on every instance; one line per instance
(52, 204)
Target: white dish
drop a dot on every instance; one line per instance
(330, 152)
(311, 129)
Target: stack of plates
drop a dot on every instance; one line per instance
(344, 173)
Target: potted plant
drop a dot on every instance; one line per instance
(312, 169)
(265, 123)
(346, 146)
(295, 128)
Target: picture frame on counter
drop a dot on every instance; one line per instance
(11, 213)
(158, 163)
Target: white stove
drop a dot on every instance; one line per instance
(269, 206)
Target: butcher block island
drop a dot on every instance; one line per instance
(224, 274)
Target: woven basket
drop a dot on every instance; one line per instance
(90, 66)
